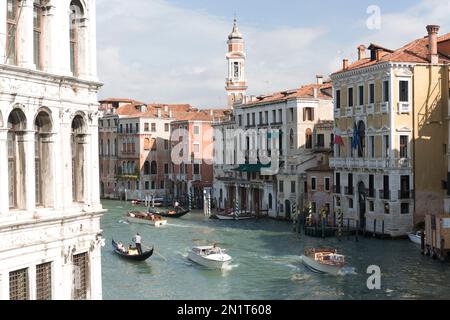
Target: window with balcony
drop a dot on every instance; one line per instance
(372, 93)
(386, 147)
(293, 187)
(274, 116)
(338, 99)
(371, 147)
(361, 139)
(386, 91)
(350, 97)
(281, 186)
(371, 191)
(240, 120)
(404, 147)
(404, 91)
(361, 95)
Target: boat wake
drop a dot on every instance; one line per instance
(347, 271)
(230, 267)
(123, 222)
(298, 277)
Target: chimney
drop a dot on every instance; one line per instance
(166, 108)
(170, 114)
(432, 43)
(211, 112)
(378, 55)
(361, 52)
(159, 113)
(315, 93)
(319, 79)
(345, 64)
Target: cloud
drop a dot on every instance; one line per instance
(154, 51)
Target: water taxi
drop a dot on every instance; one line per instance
(145, 218)
(211, 257)
(323, 260)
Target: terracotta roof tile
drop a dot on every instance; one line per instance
(414, 52)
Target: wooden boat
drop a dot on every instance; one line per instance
(176, 213)
(231, 216)
(211, 257)
(323, 260)
(416, 237)
(139, 257)
(145, 218)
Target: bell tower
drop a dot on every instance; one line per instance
(236, 83)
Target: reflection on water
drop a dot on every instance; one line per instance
(266, 263)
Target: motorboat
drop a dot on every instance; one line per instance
(323, 260)
(416, 237)
(145, 218)
(211, 257)
(125, 253)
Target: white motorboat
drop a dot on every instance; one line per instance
(145, 218)
(323, 260)
(211, 257)
(416, 237)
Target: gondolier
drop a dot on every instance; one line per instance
(137, 240)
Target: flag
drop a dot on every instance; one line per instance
(338, 140)
(355, 138)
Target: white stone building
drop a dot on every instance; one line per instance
(50, 241)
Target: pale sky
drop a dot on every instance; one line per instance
(173, 51)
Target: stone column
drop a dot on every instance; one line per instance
(48, 170)
(4, 183)
(93, 162)
(96, 272)
(25, 35)
(30, 188)
(92, 42)
(49, 31)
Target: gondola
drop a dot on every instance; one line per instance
(141, 257)
(166, 214)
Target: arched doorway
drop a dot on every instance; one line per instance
(362, 204)
(287, 208)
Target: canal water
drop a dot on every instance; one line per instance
(266, 263)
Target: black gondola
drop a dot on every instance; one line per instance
(140, 257)
(166, 214)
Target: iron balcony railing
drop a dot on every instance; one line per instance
(385, 194)
(406, 194)
(337, 189)
(349, 191)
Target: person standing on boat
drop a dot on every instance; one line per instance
(137, 241)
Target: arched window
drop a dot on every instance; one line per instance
(153, 167)
(78, 146)
(147, 168)
(291, 138)
(309, 139)
(76, 15)
(17, 124)
(12, 16)
(361, 139)
(43, 160)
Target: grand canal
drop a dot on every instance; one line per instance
(266, 263)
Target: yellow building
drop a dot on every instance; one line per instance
(390, 156)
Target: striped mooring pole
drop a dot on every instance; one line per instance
(294, 215)
(236, 209)
(340, 222)
(190, 201)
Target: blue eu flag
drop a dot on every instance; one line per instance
(355, 138)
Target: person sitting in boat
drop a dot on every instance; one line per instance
(132, 251)
(121, 247)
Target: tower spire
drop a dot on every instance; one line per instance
(236, 83)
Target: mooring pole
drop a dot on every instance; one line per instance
(374, 227)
